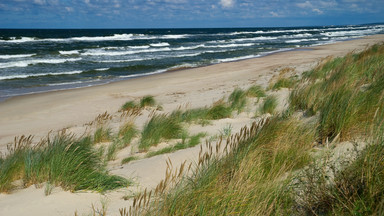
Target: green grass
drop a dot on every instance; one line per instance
(269, 105)
(102, 134)
(128, 159)
(237, 100)
(255, 91)
(63, 161)
(129, 105)
(191, 115)
(226, 131)
(218, 110)
(273, 171)
(248, 181)
(357, 188)
(127, 132)
(186, 143)
(160, 127)
(148, 100)
(345, 92)
(284, 83)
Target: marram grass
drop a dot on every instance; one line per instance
(62, 160)
(345, 93)
(262, 173)
(255, 91)
(160, 127)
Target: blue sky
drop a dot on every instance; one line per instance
(186, 13)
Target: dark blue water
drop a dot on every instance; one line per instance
(44, 60)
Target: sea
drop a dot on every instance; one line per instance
(41, 60)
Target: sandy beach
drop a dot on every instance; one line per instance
(38, 114)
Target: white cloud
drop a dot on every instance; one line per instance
(227, 3)
(305, 4)
(69, 9)
(318, 11)
(176, 1)
(274, 14)
(39, 2)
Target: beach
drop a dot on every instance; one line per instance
(42, 113)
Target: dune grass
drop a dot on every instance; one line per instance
(185, 143)
(255, 91)
(129, 105)
(263, 172)
(128, 159)
(269, 105)
(357, 187)
(237, 100)
(62, 160)
(147, 100)
(284, 83)
(345, 92)
(160, 127)
(102, 134)
(248, 181)
(127, 132)
(218, 110)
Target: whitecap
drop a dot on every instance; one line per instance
(159, 44)
(70, 52)
(119, 53)
(16, 56)
(36, 61)
(23, 76)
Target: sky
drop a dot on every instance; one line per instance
(186, 13)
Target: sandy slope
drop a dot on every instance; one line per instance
(38, 114)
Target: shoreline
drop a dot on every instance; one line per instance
(168, 70)
(40, 113)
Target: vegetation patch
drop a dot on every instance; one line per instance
(255, 91)
(269, 105)
(62, 160)
(345, 92)
(128, 159)
(185, 143)
(269, 169)
(148, 100)
(160, 127)
(129, 105)
(237, 100)
(284, 83)
(102, 134)
(248, 181)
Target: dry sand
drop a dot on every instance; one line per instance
(40, 113)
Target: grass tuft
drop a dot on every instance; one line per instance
(237, 100)
(186, 143)
(147, 101)
(219, 110)
(160, 127)
(102, 135)
(128, 159)
(255, 91)
(127, 132)
(129, 105)
(269, 105)
(284, 83)
(63, 161)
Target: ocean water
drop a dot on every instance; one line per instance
(45, 60)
